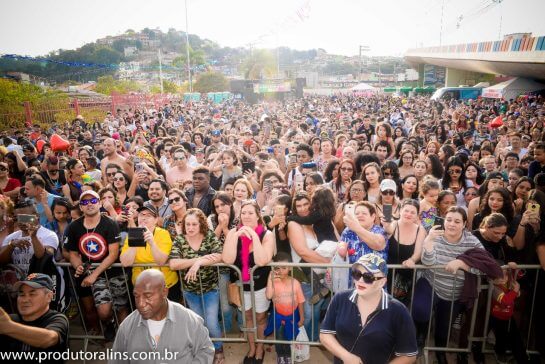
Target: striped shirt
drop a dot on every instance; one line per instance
(446, 285)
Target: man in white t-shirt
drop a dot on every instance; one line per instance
(32, 240)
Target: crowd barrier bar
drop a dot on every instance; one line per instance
(472, 337)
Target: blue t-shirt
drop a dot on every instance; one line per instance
(389, 331)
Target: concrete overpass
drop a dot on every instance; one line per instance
(516, 55)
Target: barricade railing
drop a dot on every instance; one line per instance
(474, 331)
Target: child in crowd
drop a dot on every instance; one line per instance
(505, 292)
(287, 296)
(428, 205)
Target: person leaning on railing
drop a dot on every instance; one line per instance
(158, 246)
(441, 288)
(193, 251)
(246, 246)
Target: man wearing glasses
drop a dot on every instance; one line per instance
(366, 324)
(95, 239)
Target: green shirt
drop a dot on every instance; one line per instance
(207, 277)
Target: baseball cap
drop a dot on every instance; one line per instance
(373, 263)
(388, 184)
(216, 132)
(89, 193)
(496, 175)
(150, 208)
(36, 280)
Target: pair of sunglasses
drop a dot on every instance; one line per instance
(368, 278)
(92, 201)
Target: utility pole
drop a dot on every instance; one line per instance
(187, 50)
(379, 74)
(160, 69)
(363, 48)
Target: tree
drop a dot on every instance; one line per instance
(261, 64)
(196, 57)
(107, 85)
(169, 87)
(211, 82)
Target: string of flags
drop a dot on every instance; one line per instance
(200, 67)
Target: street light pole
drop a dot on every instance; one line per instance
(187, 50)
(160, 70)
(363, 48)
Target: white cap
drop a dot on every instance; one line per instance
(388, 184)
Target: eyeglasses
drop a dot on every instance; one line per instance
(53, 171)
(347, 169)
(454, 171)
(368, 278)
(175, 199)
(111, 174)
(388, 192)
(92, 201)
(120, 179)
(3, 168)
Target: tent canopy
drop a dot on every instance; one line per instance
(512, 88)
(363, 87)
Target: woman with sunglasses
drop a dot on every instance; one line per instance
(356, 193)
(193, 252)
(9, 187)
(339, 186)
(120, 185)
(246, 246)
(454, 179)
(440, 289)
(177, 201)
(349, 330)
(388, 189)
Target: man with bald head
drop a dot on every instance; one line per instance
(158, 325)
(112, 157)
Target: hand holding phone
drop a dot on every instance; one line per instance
(136, 237)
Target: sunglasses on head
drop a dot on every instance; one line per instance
(175, 199)
(388, 192)
(92, 201)
(368, 278)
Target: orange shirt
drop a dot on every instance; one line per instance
(287, 295)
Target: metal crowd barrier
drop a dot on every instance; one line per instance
(477, 316)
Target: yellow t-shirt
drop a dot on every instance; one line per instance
(144, 256)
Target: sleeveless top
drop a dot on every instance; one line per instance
(261, 274)
(398, 253)
(312, 243)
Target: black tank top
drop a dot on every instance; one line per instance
(260, 274)
(398, 253)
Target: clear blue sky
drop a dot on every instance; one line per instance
(389, 27)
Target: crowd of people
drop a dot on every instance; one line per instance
(366, 181)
